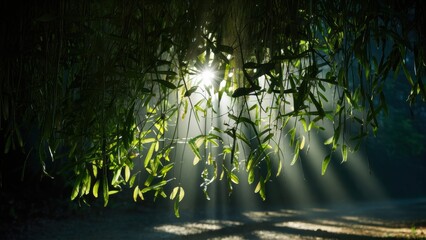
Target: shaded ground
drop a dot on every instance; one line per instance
(389, 220)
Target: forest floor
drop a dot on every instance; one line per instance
(376, 220)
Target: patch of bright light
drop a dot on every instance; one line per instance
(206, 77)
(196, 227)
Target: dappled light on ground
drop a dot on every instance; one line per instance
(348, 223)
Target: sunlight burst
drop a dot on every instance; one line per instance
(206, 77)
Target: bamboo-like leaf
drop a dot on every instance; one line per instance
(166, 169)
(325, 163)
(226, 49)
(176, 208)
(181, 194)
(251, 176)
(177, 191)
(196, 160)
(75, 190)
(279, 168)
(329, 141)
(115, 180)
(165, 83)
(112, 192)
(190, 91)
(148, 140)
(296, 153)
(136, 193)
(302, 143)
(260, 188)
(95, 170)
(317, 104)
(344, 153)
(194, 148)
(156, 186)
(245, 120)
(87, 183)
(133, 178)
(149, 154)
(126, 173)
(105, 189)
(234, 178)
(243, 92)
(174, 193)
(95, 189)
(305, 126)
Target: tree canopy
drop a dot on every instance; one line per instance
(103, 86)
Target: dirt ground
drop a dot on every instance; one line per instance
(378, 220)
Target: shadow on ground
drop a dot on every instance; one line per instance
(383, 220)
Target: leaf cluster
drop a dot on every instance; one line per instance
(108, 83)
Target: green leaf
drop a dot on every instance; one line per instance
(95, 189)
(149, 155)
(176, 209)
(279, 168)
(226, 49)
(159, 185)
(317, 105)
(234, 178)
(305, 126)
(136, 193)
(296, 153)
(177, 191)
(302, 143)
(126, 173)
(196, 160)
(112, 192)
(243, 91)
(245, 120)
(251, 176)
(329, 141)
(165, 83)
(174, 193)
(75, 190)
(181, 194)
(132, 179)
(325, 163)
(190, 91)
(194, 148)
(115, 180)
(148, 140)
(169, 73)
(260, 188)
(166, 168)
(344, 153)
(105, 189)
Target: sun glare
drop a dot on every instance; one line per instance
(206, 77)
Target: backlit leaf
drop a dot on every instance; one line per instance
(251, 176)
(126, 173)
(279, 168)
(234, 178)
(75, 190)
(329, 141)
(302, 143)
(136, 193)
(344, 153)
(325, 163)
(149, 154)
